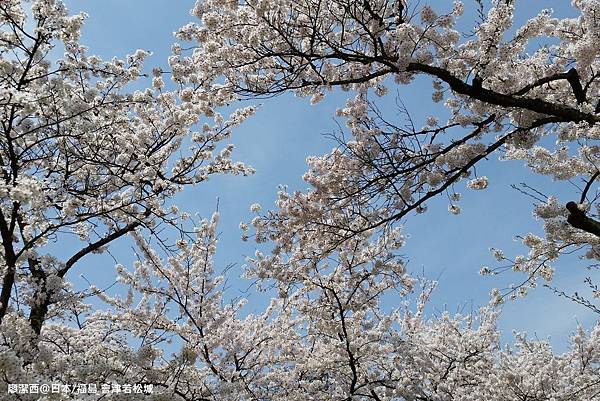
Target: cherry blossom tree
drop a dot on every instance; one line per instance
(506, 88)
(81, 155)
(85, 156)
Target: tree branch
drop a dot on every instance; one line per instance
(10, 261)
(97, 245)
(575, 82)
(38, 312)
(588, 186)
(578, 219)
(500, 99)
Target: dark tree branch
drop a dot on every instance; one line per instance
(575, 82)
(94, 246)
(500, 99)
(474, 90)
(540, 82)
(578, 219)
(10, 260)
(38, 312)
(401, 11)
(588, 186)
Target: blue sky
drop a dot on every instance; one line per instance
(277, 140)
